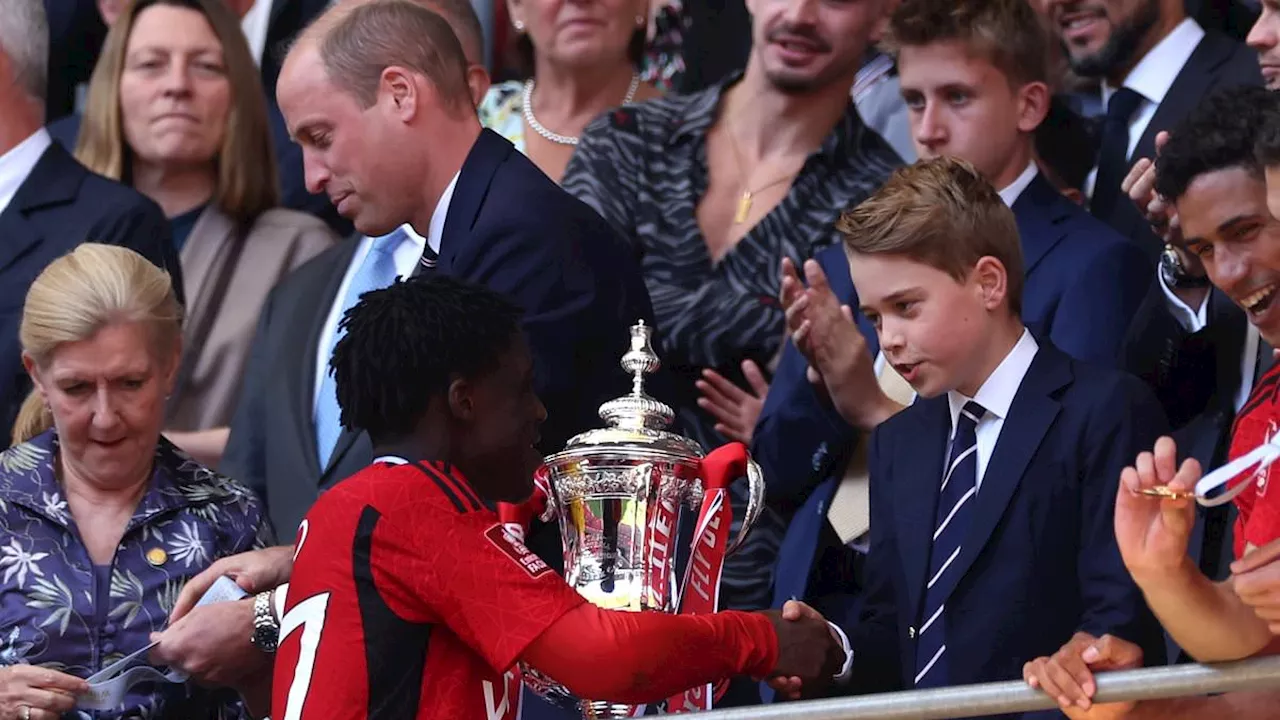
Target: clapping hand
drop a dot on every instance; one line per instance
(839, 359)
(1067, 676)
(735, 410)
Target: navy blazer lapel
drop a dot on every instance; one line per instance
(323, 294)
(55, 180)
(1042, 216)
(1034, 408)
(1193, 83)
(917, 476)
(488, 153)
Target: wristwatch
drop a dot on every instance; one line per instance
(266, 629)
(1175, 274)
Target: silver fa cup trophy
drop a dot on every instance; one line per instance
(620, 494)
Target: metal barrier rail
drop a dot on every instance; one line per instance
(1012, 697)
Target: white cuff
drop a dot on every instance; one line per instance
(278, 598)
(1192, 321)
(846, 670)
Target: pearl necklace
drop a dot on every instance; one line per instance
(557, 138)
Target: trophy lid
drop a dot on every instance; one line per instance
(636, 422)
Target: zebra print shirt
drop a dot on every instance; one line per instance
(644, 168)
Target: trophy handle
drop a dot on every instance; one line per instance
(755, 503)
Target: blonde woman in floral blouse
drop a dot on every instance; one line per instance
(582, 60)
(103, 520)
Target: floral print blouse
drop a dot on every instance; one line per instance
(59, 610)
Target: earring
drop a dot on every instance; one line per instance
(641, 21)
(519, 26)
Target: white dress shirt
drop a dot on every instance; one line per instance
(406, 255)
(17, 164)
(996, 396)
(1151, 78)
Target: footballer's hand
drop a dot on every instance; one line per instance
(809, 653)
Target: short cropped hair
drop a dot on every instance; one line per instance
(940, 212)
(369, 38)
(406, 343)
(1221, 132)
(24, 39)
(462, 16)
(1005, 32)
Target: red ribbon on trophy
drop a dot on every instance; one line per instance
(700, 591)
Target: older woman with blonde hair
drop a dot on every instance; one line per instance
(104, 520)
(176, 109)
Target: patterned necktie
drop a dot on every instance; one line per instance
(377, 271)
(1113, 153)
(429, 259)
(955, 506)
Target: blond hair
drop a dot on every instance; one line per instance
(248, 181)
(942, 213)
(80, 293)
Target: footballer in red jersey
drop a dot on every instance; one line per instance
(408, 599)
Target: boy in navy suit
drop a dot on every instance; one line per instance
(992, 495)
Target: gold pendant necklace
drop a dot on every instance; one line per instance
(748, 195)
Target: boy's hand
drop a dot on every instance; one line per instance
(1067, 676)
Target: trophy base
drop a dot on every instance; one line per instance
(556, 694)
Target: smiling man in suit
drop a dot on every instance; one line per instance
(49, 203)
(993, 493)
(973, 76)
(1156, 64)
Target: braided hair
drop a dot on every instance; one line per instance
(405, 344)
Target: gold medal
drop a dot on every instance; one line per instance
(156, 556)
(1166, 493)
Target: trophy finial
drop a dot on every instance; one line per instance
(638, 409)
(640, 360)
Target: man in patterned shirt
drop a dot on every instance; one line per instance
(717, 187)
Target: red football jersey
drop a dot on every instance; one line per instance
(409, 600)
(1258, 521)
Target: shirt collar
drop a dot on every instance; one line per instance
(438, 216)
(997, 393)
(1013, 190)
(19, 161)
(1155, 72)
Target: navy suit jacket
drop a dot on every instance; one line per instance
(1039, 561)
(1083, 284)
(508, 227)
(60, 205)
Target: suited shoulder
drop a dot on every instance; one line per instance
(1234, 62)
(112, 199)
(1097, 387)
(1087, 234)
(285, 219)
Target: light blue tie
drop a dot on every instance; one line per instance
(377, 271)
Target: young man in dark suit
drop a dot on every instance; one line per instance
(973, 74)
(49, 203)
(993, 493)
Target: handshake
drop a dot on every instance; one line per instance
(810, 652)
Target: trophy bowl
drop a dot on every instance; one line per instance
(619, 495)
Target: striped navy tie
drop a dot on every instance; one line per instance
(955, 505)
(429, 258)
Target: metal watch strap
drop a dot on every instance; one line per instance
(266, 629)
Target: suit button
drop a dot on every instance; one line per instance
(911, 633)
